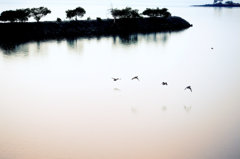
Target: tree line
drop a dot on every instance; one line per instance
(22, 15)
(133, 13)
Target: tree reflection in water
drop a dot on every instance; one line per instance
(133, 39)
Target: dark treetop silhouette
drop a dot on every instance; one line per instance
(156, 12)
(40, 12)
(126, 21)
(78, 12)
(22, 15)
(164, 83)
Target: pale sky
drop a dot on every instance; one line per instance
(20, 2)
(94, 8)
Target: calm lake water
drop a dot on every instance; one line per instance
(58, 99)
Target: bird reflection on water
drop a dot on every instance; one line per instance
(164, 108)
(134, 110)
(187, 108)
(116, 89)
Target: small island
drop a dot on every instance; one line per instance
(125, 21)
(220, 3)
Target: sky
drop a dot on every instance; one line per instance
(59, 2)
(94, 8)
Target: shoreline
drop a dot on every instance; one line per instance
(33, 31)
(235, 5)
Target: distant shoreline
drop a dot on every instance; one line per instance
(34, 31)
(219, 5)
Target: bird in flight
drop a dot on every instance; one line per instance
(188, 87)
(136, 77)
(116, 79)
(164, 83)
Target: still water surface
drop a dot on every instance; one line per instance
(58, 99)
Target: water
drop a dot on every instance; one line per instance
(58, 99)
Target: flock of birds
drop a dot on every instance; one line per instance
(163, 83)
(134, 110)
(187, 109)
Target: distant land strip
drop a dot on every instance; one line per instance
(34, 31)
(219, 5)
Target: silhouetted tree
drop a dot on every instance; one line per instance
(70, 14)
(38, 13)
(98, 19)
(229, 2)
(115, 13)
(15, 15)
(78, 12)
(59, 20)
(167, 14)
(133, 14)
(125, 13)
(8, 15)
(22, 15)
(156, 12)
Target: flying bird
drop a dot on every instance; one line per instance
(188, 87)
(136, 77)
(164, 83)
(116, 79)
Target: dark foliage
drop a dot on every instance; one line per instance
(23, 14)
(59, 20)
(99, 19)
(156, 12)
(20, 15)
(38, 13)
(125, 13)
(78, 12)
(8, 15)
(70, 14)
